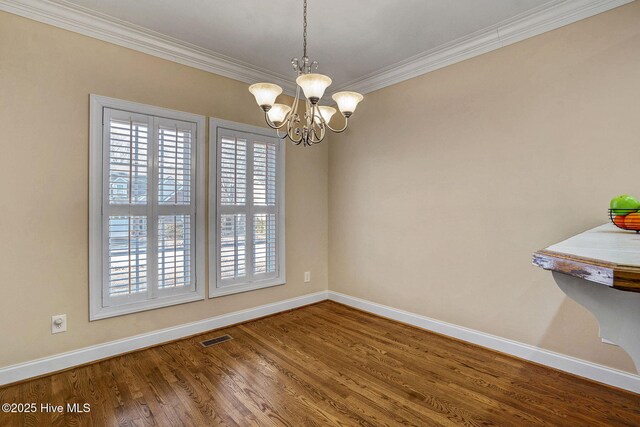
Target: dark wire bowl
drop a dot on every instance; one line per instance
(615, 213)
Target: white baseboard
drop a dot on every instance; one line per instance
(69, 359)
(592, 371)
(58, 362)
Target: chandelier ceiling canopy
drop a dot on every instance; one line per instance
(311, 128)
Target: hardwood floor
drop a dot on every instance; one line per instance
(324, 364)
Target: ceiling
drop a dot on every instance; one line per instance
(362, 45)
(349, 38)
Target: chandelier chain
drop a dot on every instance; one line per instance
(304, 34)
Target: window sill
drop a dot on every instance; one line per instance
(215, 292)
(119, 310)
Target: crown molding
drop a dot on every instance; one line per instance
(81, 20)
(546, 17)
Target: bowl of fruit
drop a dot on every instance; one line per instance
(624, 212)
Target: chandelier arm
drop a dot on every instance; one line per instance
(291, 130)
(346, 123)
(296, 101)
(314, 127)
(294, 105)
(286, 134)
(290, 118)
(296, 141)
(313, 137)
(324, 122)
(313, 114)
(305, 127)
(318, 139)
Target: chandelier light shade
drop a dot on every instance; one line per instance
(313, 86)
(266, 94)
(347, 101)
(310, 127)
(278, 113)
(326, 113)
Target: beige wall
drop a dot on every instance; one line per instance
(46, 76)
(439, 192)
(445, 184)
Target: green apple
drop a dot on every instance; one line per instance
(624, 204)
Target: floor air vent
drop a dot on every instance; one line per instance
(217, 340)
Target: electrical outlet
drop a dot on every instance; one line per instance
(58, 323)
(307, 276)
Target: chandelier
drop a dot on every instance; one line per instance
(312, 126)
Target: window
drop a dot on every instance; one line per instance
(146, 207)
(246, 205)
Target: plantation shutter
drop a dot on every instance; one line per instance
(264, 208)
(248, 236)
(126, 207)
(148, 209)
(176, 206)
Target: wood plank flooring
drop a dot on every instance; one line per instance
(321, 365)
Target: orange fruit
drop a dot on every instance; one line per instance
(632, 221)
(619, 221)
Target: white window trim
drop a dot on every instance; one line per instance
(96, 309)
(214, 290)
